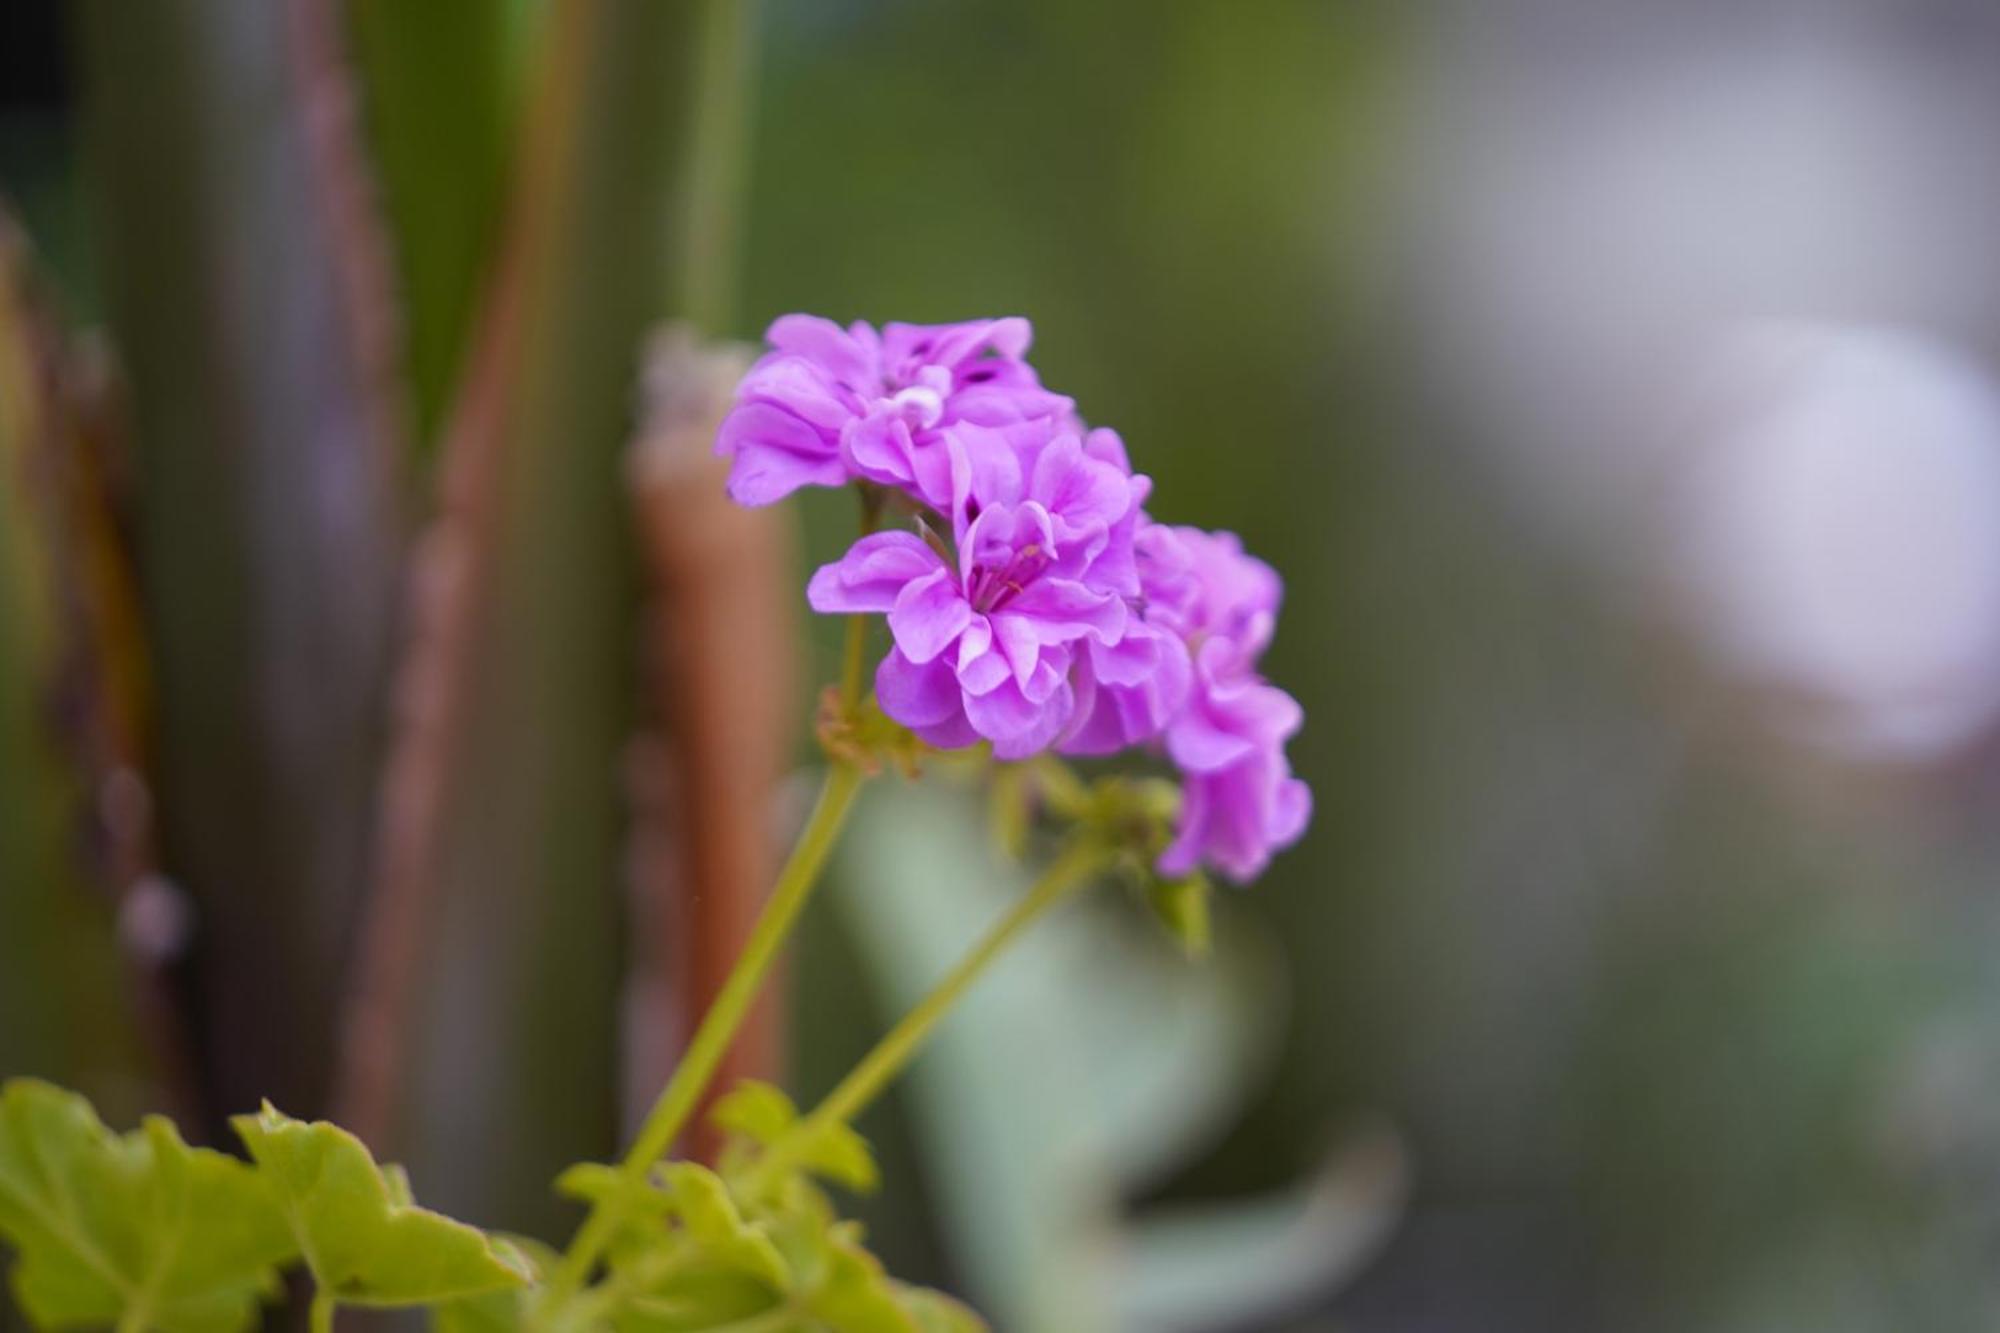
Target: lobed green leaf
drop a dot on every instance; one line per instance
(761, 1115)
(935, 1312)
(140, 1230)
(362, 1236)
(501, 1311)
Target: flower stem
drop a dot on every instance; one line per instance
(320, 1319)
(711, 1040)
(856, 663)
(1074, 868)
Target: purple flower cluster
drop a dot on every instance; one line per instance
(1059, 615)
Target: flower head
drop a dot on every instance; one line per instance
(1031, 602)
(828, 405)
(1239, 800)
(986, 638)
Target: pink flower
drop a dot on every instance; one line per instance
(828, 405)
(1239, 800)
(1057, 615)
(985, 642)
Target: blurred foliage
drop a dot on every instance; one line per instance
(440, 89)
(53, 687)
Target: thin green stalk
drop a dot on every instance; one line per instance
(323, 1303)
(1073, 869)
(719, 1026)
(856, 664)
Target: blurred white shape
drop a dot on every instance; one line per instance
(1605, 207)
(1843, 534)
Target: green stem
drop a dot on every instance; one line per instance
(321, 1320)
(718, 1028)
(1074, 868)
(856, 663)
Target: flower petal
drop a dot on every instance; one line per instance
(1061, 610)
(872, 574)
(1017, 725)
(1200, 743)
(774, 454)
(844, 353)
(916, 694)
(929, 613)
(981, 665)
(803, 388)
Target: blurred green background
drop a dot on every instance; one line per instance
(1597, 997)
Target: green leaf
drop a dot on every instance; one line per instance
(502, 1311)
(711, 1219)
(685, 1258)
(441, 85)
(936, 1312)
(362, 1238)
(832, 1151)
(695, 1300)
(1182, 906)
(756, 1110)
(854, 1295)
(141, 1230)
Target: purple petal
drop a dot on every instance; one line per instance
(802, 388)
(1184, 853)
(1081, 492)
(1060, 610)
(774, 453)
(981, 666)
(916, 695)
(985, 471)
(879, 448)
(929, 613)
(1017, 725)
(1290, 813)
(1200, 743)
(1105, 445)
(954, 733)
(872, 574)
(844, 353)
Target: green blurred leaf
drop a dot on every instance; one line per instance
(762, 1114)
(1182, 906)
(1152, 1056)
(711, 1220)
(441, 89)
(685, 1257)
(936, 1312)
(694, 1254)
(500, 1311)
(360, 1235)
(849, 1292)
(69, 672)
(142, 1230)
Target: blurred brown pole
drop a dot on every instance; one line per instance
(722, 679)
